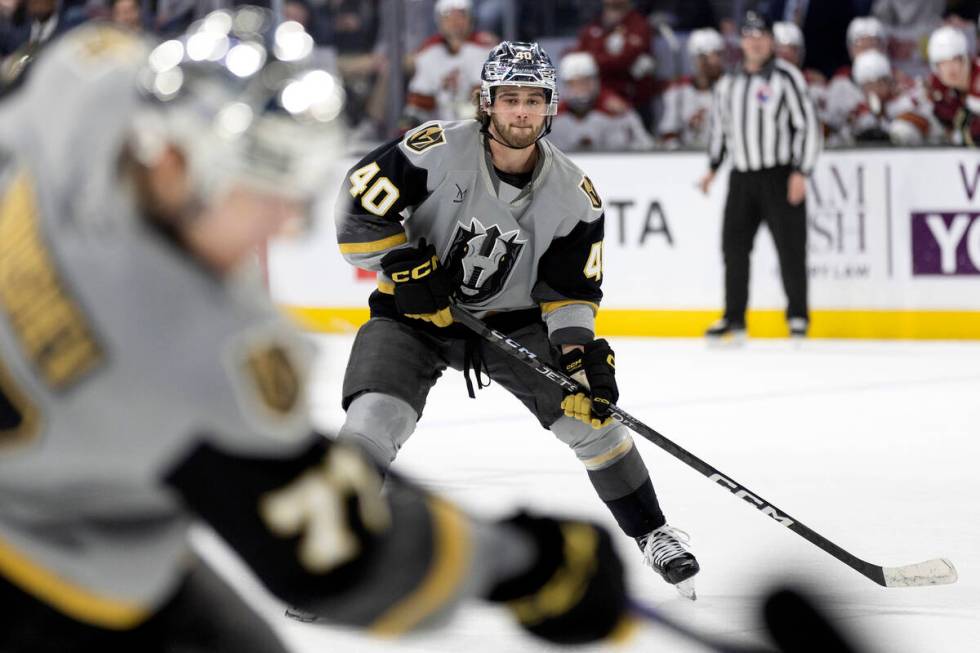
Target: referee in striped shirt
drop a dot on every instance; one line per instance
(763, 120)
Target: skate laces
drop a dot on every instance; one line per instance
(664, 544)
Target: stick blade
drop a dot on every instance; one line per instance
(938, 571)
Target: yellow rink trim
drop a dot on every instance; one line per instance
(919, 325)
(68, 598)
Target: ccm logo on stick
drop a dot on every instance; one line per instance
(751, 498)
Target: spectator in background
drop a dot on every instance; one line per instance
(128, 14)
(353, 32)
(908, 13)
(448, 67)
(791, 48)
(620, 41)
(863, 33)
(823, 23)
(591, 117)
(891, 112)
(909, 23)
(954, 86)
(844, 95)
(687, 101)
(13, 26)
(44, 21)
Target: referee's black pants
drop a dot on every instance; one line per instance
(753, 197)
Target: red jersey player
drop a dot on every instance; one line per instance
(954, 85)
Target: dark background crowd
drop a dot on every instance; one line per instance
(647, 69)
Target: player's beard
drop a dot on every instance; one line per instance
(515, 138)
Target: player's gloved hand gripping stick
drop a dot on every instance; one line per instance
(937, 571)
(594, 367)
(422, 287)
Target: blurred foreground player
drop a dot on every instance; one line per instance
(145, 381)
(489, 214)
(954, 86)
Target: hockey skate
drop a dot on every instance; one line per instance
(725, 333)
(798, 327)
(665, 549)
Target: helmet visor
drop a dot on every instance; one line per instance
(528, 100)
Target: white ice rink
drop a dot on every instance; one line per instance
(876, 445)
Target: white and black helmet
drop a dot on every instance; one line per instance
(705, 41)
(947, 43)
(517, 63)
(238, 94)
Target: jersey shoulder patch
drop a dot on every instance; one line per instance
(276, 381)
(269, 378)
(587, 187)
(425, 138)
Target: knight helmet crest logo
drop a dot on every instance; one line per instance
(481, 259)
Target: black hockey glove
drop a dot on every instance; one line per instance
(595, 368)
(575, 591)
(422, 287)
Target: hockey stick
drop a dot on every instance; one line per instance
(652, 615)
(938, 571)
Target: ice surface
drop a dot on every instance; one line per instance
(873, 444)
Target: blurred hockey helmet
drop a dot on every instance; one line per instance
(578, 75)
(576, 65)
(239, 97)
(864, 27)
(786, 33)
(704, 41)
(445, 6)
(517, 63)
(946, 43)
(870, 66)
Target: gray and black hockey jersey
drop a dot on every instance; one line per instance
(506, 248)
(139, 390)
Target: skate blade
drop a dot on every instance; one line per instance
(728, 341)
(686, 589)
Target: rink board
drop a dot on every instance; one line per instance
(893, 249)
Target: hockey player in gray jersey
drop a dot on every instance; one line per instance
(488, 214)
(145, 382)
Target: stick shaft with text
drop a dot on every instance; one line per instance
(937, 571)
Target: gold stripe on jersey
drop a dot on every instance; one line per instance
(19, 417)
(374, 245)
(66, 597)
(387, 287)
(551, 307)
(451, 559)
(53, 331)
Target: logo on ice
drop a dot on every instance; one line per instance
(945, 243)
